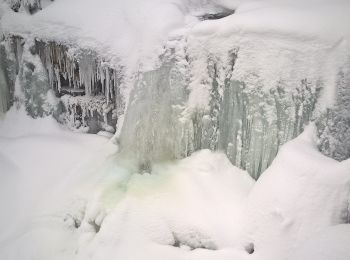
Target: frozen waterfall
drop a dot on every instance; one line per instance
(223, 99)
(247, 122)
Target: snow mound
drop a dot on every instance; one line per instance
(72, 201)
(127, 29)
(300, 194)
(137, 30)
(72, 198)
(35, 156)
(330, 243)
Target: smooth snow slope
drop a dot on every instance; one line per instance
(62, 186)
(302, 193)
(35, 156)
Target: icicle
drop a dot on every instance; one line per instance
(107, 91)
(58, 79)
(4, 86)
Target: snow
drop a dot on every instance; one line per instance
(336, 238)
(129, 28)
(72, 197)
(67, 195)
(66, 176)
(276, 41)
(278, 45)
(136, 30)
(300, 194)
(34, 154)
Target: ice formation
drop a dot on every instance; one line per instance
(198, 95)
(334, 123)
(49, 81)
(30, 6)
(4, 77)
(83, 74)
(197, 208)
(194, 100)
(4, 89)
(246, 98)
(199, 99)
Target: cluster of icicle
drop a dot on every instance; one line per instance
(88, 88)
(81, 71)
(30, 6)
(83, 74)
(11, 49)
(154, 127)
(4, 89)
(334, 125)
(247, 122)
(242, 118)
(89, 114)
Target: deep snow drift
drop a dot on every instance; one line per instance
(66, 206)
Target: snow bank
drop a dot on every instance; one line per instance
(330, 243)
(174, 210)
(135, 29)
(301, 193)
(71, 201)
(127, 29)
(278, 42)
(68, 197)
(35, 155)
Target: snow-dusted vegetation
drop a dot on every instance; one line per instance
(174, 129)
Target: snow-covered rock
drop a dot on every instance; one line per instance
(301, 193)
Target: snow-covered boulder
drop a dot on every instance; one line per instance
(301, 193)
